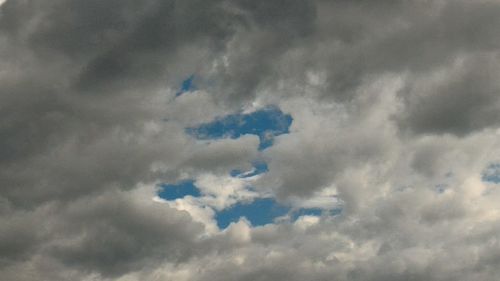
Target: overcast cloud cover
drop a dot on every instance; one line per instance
(396, 125)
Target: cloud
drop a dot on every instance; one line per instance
(389, 156)
(457, 99)
(114, 234)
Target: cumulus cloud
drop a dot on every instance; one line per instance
(395, 120)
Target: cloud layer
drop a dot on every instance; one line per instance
(396, 120)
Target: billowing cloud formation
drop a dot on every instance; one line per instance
(396, 120)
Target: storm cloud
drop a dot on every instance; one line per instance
(392, 120)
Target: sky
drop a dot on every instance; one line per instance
(249, 140)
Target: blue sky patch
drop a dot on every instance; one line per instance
(306, 212)
(178, 190)
(258, 168)
(314, 212)
(265, 123)
(258, 212)
(492, 173)
(263, 211)
(335, 212)
(186, 86)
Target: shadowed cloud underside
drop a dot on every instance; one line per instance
(359, 139)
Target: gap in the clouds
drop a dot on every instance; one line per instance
(258, 212)
(258, 168)
(264, 211)
(317, 212)
(178, 190)
(306, 212)
(492, 173)
(266, 123)
(186, 85)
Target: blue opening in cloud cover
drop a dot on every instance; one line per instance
(265, 123)
(186, 86)
(263, 211)
(258, 168)
(492, 173)
(258, 212)
(314, 212)
(306, 212)
(178, 190)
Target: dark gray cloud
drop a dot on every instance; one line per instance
(463, 101)
(113, 235)
(396, 114)
(19, 238)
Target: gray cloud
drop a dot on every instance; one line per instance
(113, 234)
(463, 101)
(395, 110)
